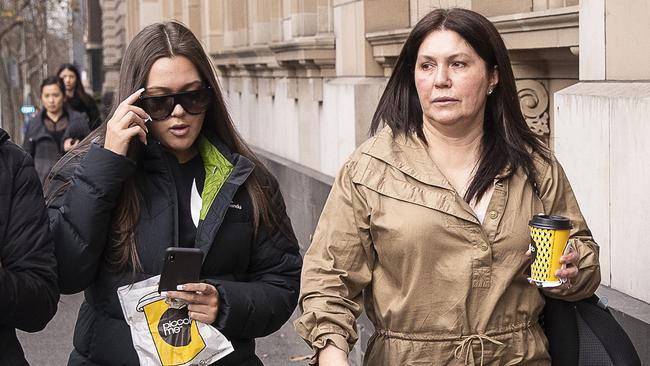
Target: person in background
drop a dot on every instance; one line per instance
(76, 96)
(56, 128)
(426, 226)
(168, 168)
(28, 283)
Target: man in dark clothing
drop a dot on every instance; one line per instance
(28, 282)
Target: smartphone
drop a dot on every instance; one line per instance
(181, 265)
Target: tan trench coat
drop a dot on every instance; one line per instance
(440, 287)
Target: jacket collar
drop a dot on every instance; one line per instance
(408, 154)
(215, 141)
(218, 202)
(67, 112)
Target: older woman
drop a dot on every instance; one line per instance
(426, 223)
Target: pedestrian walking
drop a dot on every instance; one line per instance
(55, 130)
(28, 282)
(76, 96)
(168, 169)
(426, 226)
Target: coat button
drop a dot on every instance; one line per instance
(494, 214)
(484, 247)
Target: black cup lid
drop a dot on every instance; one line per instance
(554, 222)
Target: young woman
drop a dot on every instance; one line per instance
(55, 129)
(169, 169)
(427, 223)
(76, 95)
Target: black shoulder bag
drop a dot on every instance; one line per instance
(585, 333)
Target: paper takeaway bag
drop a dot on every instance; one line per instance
(166, 336)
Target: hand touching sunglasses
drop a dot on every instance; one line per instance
(159, 107)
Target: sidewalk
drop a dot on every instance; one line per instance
(51, 347)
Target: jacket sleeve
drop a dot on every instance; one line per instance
(80, 214)
(28, 283)
(558, 199)
(262, 305)
(338, 266)
(78, 128)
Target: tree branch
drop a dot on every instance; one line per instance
(8, 29)
(16, 20)
(30, 57)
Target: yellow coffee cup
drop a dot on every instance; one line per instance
(549, 237)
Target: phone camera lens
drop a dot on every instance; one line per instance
(171, 257)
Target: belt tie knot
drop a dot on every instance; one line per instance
(465, 346)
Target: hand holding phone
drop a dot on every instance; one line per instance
(202, 300)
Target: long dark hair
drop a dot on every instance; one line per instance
(160, 40)
(507, 141)
(79, 90)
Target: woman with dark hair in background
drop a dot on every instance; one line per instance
(76, 95)
(428, 220)
(168, 168)
(55, 129)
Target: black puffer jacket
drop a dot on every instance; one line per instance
(40, 144)
(257, 276)
(28, 284)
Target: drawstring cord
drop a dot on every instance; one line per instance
(466, 346)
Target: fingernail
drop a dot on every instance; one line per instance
(163, 294)
(140, 90)
(180, 287)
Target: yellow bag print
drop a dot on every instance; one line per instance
(163, 335)
(176, 337)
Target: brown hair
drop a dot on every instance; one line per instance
(507, 140)
(160, 40)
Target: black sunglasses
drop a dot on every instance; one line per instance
(159, 107)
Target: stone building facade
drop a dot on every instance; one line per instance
(303, 77)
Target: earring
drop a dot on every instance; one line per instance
(490, 90)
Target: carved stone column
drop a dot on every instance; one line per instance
(533, 99)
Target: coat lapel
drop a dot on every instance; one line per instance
(215, 211)
(408, 154)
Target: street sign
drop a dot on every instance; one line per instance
(27, 109)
